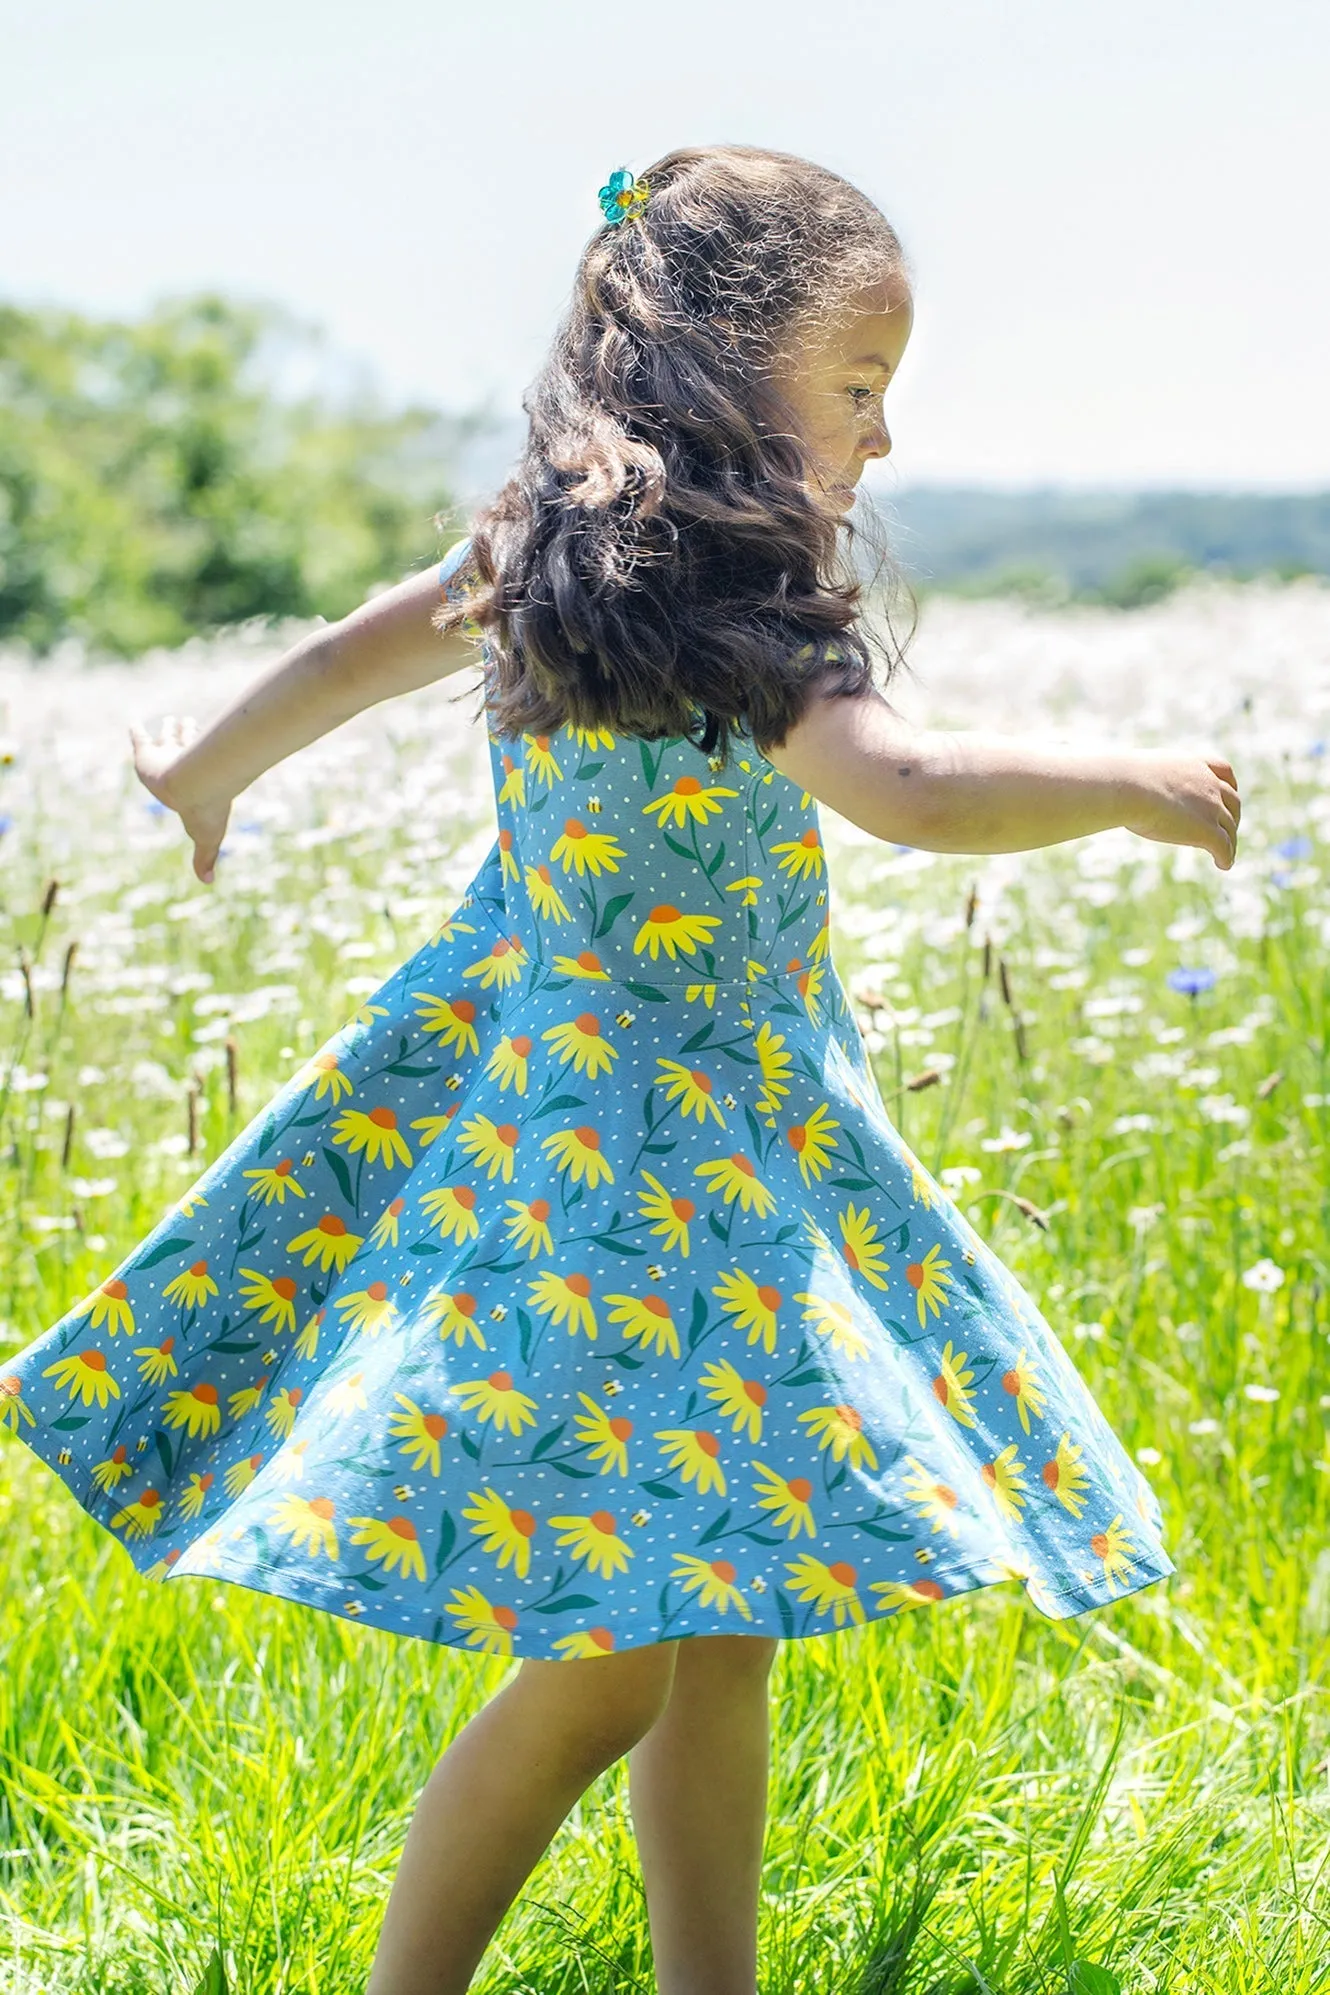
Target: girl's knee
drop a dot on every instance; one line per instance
(603, 1705)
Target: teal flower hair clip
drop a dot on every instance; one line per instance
(623, 197)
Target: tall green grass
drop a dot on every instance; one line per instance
(965, 1798)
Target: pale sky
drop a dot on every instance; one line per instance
(1117, 214)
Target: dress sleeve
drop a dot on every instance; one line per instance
(450, 566)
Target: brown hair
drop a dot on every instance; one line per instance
(656, 564)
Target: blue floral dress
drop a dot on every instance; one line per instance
(579, 1293)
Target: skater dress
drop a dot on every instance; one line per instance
(579, 1293)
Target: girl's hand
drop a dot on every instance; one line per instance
(204, 818)
(1184, 800)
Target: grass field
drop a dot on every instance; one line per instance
(962, 1799)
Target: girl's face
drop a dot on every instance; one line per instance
(835, 383)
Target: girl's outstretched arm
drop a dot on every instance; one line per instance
(976, 792)
(387, 646)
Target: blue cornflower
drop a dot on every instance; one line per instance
(1191, 981)
(1299, 847)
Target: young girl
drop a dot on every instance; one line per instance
(578, 1301)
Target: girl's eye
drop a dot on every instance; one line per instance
(867, 393)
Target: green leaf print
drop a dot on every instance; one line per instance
(698, 1324)
(587, 771)
(447, 1539)
(547, 1440)
(786, 1615)
(699, 1038)
(164, 1250)
(660, 1489)
(468, 1444)
(557, 1103)
(70, 1422)
(647, 993)
(338, 1166)
(649, 765)
(233, 1346)
(524, 1336)
(715, 1528)
(164, 1453)
(613, 909)
(568, 1604)
(716, 861)
(680, 850)
(852, 1184)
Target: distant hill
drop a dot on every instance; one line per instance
(1113, 546)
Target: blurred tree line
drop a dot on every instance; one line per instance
(155, 481)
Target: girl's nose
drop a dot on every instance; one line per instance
(878, 443)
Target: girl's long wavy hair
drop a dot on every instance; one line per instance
(657, 564)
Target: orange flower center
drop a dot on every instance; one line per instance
(501, 1381)
(121, 1454)
(702, 1082)
(656, 1305)
(687, 786)
(539, 1209)
(94, 1361)
(588, 1025)
(850, 1256)
(683, 1208)
(757, 1392)
(327, 1061)
(1099, 1545)
(464, 1304)
(543, 743)
(198, 1268)
(332, 1226)
(285, 1288)
(523, 1523)
(322, 1506)
(1011, 1381)
(574, 828)
(797, 1137)
(810, 841)
(588, 960)
(522, 1046)
(770, 1298)
(116, 1290)
(742, 1165)
(577, 1285)
(505, 841)
(800, 1488)
(843, 1573)
(294, 1394)
(434, 1425)
(724, 1571)
(989, 1474)
(945, 1495)
(205, 1394)
(464, 1196)
(150, 1499)
(941, 1390)
(929, 1588)
(603, 1521)
(501, 948)
(284, 1168)
(588, 1138)
(402, 1527)
(621, 1429)
(602, 1638)
(463, 1011)
(507, 1135)
(914, 1274)
(664, 915)
(397, 1208)
(707, 1443)
(851, 1416)
(377, 1291)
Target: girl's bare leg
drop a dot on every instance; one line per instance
(698, 1790)
(491, 1806)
